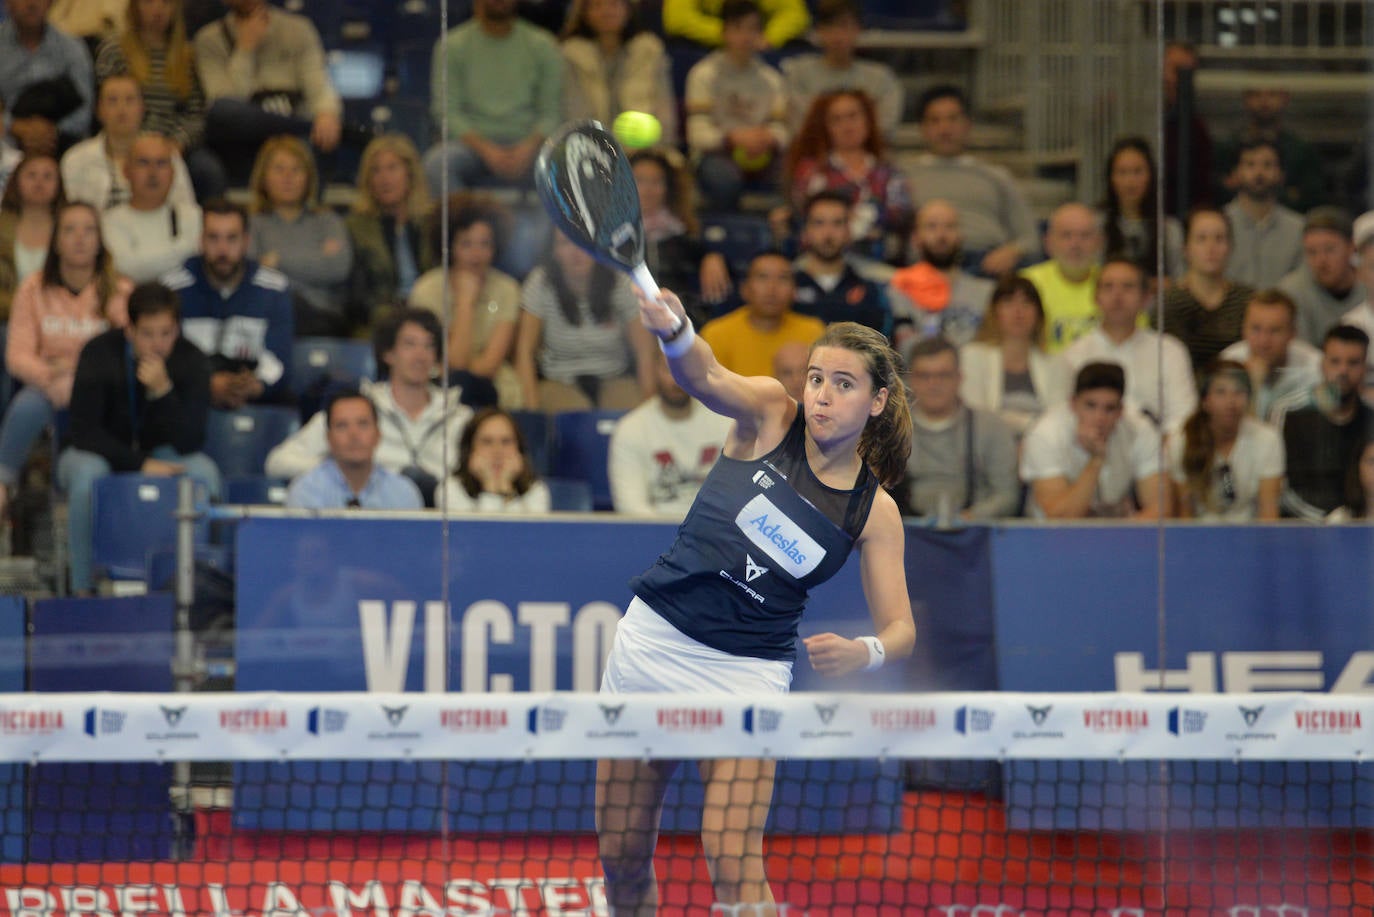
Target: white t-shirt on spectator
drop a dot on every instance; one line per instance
(1257, 455)
(1051, 450)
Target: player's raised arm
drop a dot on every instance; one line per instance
(753, 402)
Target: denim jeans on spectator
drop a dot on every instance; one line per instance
(466, 169)
(77, 472)
(29, 412)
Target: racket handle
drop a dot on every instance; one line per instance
(645, 280)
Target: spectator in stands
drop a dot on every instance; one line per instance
(1362, 315)
(838, 23)
(1359, 488)
(387, 228)
(827, 284)
(1090, 458)
(963, 460)
(1279, 362)
(746, 339)
(580, 344)
(95, 170)
(45, 80)
(89, 20)
(704, 22)
(478, 304)
(840, 149)
(237, 311)
(1128, 214)
(1325, 427)
(661, 451)
(76, 296)
(155, 50)
(789, 368)
(495, 473)
(150, 234)
(935, 295)
(503, 89)
(28, 212)
(10, 155)
(1267, 235)
(1206, 308)
(1181, 57)
(1327, 285)
(1006, 368)
(614, 65)
(350, 478)
(1068, 280)
(307, 242)
(419, 422)
(673, 251)
(1304, 175)
(999, 230)
(736, 112)
(263, 72)
(140, 404)
(1226, 466)
(1159, 374)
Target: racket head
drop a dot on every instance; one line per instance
(585, 181)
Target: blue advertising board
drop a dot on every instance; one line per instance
(12, 660)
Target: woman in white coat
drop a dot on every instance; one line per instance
(1005, 368)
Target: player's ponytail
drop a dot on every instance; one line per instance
(886, 440)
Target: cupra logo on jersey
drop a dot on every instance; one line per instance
(752, 571)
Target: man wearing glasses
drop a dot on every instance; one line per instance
(348, 478)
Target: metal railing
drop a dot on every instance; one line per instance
(1326, 31)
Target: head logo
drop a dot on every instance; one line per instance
(1251, 715)
(394, 715)
(761, 719)
(972, 719)
(762, 479)
(611, 714)
(826, 712)
(322, 720)
(1038, 715)
(173, 715)
(752, 571)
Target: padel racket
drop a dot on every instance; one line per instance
(587, 186)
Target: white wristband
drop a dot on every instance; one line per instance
(681, 341)
(876, 654)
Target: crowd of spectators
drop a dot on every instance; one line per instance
(163, 237)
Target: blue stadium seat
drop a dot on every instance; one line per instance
(582, 442)
(737, 236)
(255, 490)
(413, 56)
(569, 496)
(239, 440)
(319, 365)
(527, 242)
(135, 515)
(911, 14)
(535, 426)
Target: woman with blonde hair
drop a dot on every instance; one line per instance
(308, 243)
(76, 296)
(387, 226)
(614, 65)
(1225, 465)
(1005, 367)
(155, 50)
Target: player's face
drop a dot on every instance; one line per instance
(1268, 330)
(153, 336)
(353, 434)
(839, 397)
(413, 358)
(1098, 410)
(1343, 365)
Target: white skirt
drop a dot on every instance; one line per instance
(650, 655)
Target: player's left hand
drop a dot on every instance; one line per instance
(832, 655)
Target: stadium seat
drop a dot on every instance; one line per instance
(582, 441)
(255, 490)
(239, 440)
(319, 365)
(911, 15)
(737, 236)
(569, 496)
(135, 515)
(535, 426)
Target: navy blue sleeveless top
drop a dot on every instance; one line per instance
(760, 534)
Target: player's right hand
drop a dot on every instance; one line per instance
(661, 315)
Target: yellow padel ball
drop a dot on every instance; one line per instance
(637, 129)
